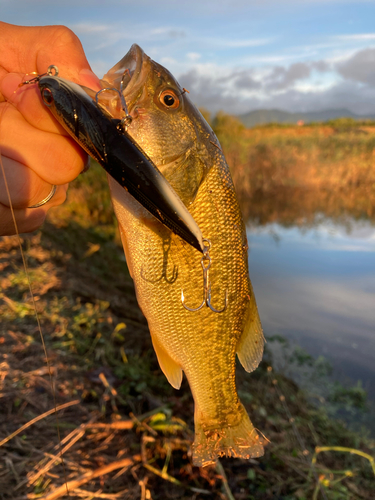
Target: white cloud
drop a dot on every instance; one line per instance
(91, 28)
(252, 42)
(169, 32)
(193, 56)
(246, 73)
(167, 61)
(356, 37)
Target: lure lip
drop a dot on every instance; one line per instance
(97, 133)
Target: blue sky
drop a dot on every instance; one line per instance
(233, 55)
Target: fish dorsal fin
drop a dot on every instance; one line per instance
(250, 345)
(171, 369)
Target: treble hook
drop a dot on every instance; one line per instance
(206, 264)
(127, 119)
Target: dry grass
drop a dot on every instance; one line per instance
(121, 430)
(286, 172)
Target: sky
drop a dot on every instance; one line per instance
(232, 55)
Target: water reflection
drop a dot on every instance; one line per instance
(316, 286)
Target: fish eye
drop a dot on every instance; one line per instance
(169, 99)
(47, 96)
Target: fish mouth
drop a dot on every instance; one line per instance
(127, 77)
(90, 123)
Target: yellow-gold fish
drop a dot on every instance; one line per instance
(204, 343)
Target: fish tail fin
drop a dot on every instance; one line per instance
(240, 440)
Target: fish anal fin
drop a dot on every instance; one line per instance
(239, 440)
(170, 368)
(251, 343)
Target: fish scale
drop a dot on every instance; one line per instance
(202, 344)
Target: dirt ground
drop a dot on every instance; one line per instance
(99, 420)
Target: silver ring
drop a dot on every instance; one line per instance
(46, 199)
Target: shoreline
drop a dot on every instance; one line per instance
(102, 356)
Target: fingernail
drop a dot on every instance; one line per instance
(89, 79)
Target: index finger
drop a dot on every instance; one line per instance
(29, 103)
(33, 49)
(30, 50)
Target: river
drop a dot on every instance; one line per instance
(315, 286)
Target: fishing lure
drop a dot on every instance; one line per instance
(106, 140)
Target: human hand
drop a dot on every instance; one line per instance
(36, 152)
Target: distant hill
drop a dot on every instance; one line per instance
(263, 116)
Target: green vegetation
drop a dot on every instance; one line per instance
(125, 432)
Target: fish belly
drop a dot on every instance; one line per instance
(203, 344)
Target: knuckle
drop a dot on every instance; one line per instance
(64, 36)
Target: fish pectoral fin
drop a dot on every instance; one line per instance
(250, 345)
(171, 369)
(184, 179)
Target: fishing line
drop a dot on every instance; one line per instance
(51, 377)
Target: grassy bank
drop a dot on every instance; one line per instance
(127, 433)
(287, 174)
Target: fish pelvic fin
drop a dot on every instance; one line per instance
(251, 343)
(239, 440)
(170, 368)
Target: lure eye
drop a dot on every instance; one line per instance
(169, 99)
(47, 96)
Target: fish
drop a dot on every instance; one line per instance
(187, 336)
(106, 140)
